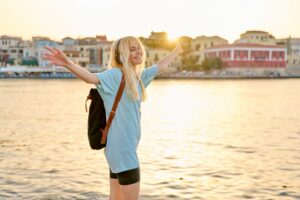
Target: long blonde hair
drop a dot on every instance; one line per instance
(132, 74)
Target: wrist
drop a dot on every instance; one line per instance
(69, 63)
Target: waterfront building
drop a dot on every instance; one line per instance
(153, 55)
(38, 47)
(106, 56)
(292, 46)
(28, 51)
(200, 43)
(159, 37)
(293, 49)
(69, 42)
(99, 54)
(251, 58)
(84, 45)
(257, 37)
(9, 41)
(10, 49)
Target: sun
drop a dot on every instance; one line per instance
(172, 37)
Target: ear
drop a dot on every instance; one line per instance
(122, 58)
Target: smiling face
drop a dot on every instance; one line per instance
(135, 56)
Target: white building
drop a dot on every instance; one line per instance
(69, 42)
(10, 48)
(243, 58)
(38, 48)
(28, 50)
(293, 48)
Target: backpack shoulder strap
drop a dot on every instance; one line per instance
(113, 110)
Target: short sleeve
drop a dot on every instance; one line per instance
(106, 84)
(149, 74)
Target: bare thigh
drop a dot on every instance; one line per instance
(130, 192)
(115, 190)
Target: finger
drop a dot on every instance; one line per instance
(57, 50)
(46, 54)
(47, 58)
(49, 49)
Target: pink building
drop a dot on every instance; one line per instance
(248, 55)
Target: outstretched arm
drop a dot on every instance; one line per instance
(57, 57)
(168, 59)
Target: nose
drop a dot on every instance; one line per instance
(138, 52)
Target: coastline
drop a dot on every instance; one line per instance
(222, 77)
(207, 77)
(24, 72)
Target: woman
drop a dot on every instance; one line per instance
(127, 56)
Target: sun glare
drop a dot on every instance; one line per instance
(172, 37)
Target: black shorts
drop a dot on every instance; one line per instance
(127, 177)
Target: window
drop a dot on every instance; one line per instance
(212, 44)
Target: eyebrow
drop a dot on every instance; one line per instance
(138, 46)
(133, 47)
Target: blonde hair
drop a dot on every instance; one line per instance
(132, 73)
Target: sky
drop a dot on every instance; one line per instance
(117, 18)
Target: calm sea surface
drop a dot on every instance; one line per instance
(201, 139)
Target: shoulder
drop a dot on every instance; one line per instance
(112, 73)
(109, 79)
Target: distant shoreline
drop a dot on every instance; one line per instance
(222, 78)
(170, 78)
(23, 72)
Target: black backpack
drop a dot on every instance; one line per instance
(97, 125)
(96, 119)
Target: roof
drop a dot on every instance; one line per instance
(7, 37)
(101, 37)
(255, 31)
(209, 37)
(249, 45)
(68, 38)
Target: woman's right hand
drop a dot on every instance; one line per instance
(56, 57)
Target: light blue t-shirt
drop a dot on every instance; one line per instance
(125, 130)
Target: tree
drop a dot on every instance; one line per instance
(212, 63)
(190, 63)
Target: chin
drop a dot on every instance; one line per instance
(138, 63)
